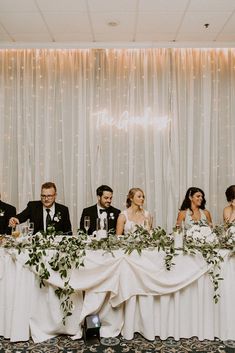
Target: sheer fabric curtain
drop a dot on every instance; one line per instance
(159, 119)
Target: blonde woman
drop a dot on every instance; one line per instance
(135, 214)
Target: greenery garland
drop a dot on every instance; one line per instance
(69, 253)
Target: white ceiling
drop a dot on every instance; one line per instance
(140, 22)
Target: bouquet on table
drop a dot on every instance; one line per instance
(226, 234)
(200, 235)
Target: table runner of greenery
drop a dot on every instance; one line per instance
(70, 251)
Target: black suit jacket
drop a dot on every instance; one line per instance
(8, 211)
(112, 216)
(34, 212)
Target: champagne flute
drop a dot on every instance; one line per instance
(86, 223)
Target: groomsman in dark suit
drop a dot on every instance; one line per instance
(6, 212)
(46, 212)
(104, 198)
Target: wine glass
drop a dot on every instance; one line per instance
(87, 223)
(147, 224)
(24, 230)
(16, 231)
(30, 228)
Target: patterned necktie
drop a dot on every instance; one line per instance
(48, 217)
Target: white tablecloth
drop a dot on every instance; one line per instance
(131, 293)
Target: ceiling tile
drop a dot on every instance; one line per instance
(2, 29)
(32, 37)
(111, 5)
(62, 5)
(163, 5)
(196, 37)
(23, 22)
(17, 5)
(73, 37)
(194, 21)
(114, 37)
(100, 22)
(226, 37)
(67, 22)
(211, 5)
(158, 21)
(150, 36)
(230, 25)
(4, 38)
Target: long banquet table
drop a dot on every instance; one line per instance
(131, 293)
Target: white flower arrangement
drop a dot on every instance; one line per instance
(230, 235)
(201, 235)
(111, 215)
(57, 217)
(226, 234)
(2, 212)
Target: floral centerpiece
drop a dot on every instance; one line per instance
(200, 235)
(226, 235)
(202, 238)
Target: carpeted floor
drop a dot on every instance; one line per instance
(64, 344)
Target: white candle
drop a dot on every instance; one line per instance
(178, 240)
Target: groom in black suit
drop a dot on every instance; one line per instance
(6, 212)
(104, 197)
(45, 213)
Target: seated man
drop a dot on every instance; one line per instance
(6, 212)
(45, 213)
(104, 197)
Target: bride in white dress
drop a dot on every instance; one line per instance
(134, 214)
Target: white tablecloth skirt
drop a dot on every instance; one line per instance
(131, 293)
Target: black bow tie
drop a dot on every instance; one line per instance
(102, 210)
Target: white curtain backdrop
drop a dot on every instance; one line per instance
(159, 119)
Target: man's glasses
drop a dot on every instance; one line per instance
(47, 196)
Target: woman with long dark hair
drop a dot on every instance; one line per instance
(193, 209)
(229, 211)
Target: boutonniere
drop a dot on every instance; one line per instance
(2, 212)
(57, 217)
(111, 215)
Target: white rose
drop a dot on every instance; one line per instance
(197, 236)
(232, 229)
(205, 231)
(211, 238)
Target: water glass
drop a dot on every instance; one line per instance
(101, 228)
(24, 230)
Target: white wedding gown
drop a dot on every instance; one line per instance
(130, 226)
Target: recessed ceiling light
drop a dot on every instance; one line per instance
(113, 23)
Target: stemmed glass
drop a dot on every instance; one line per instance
(87, 223)
(16, 231)
(30, 228)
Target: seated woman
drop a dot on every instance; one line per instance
(193, 209)
(229, 211)
(135, 214)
